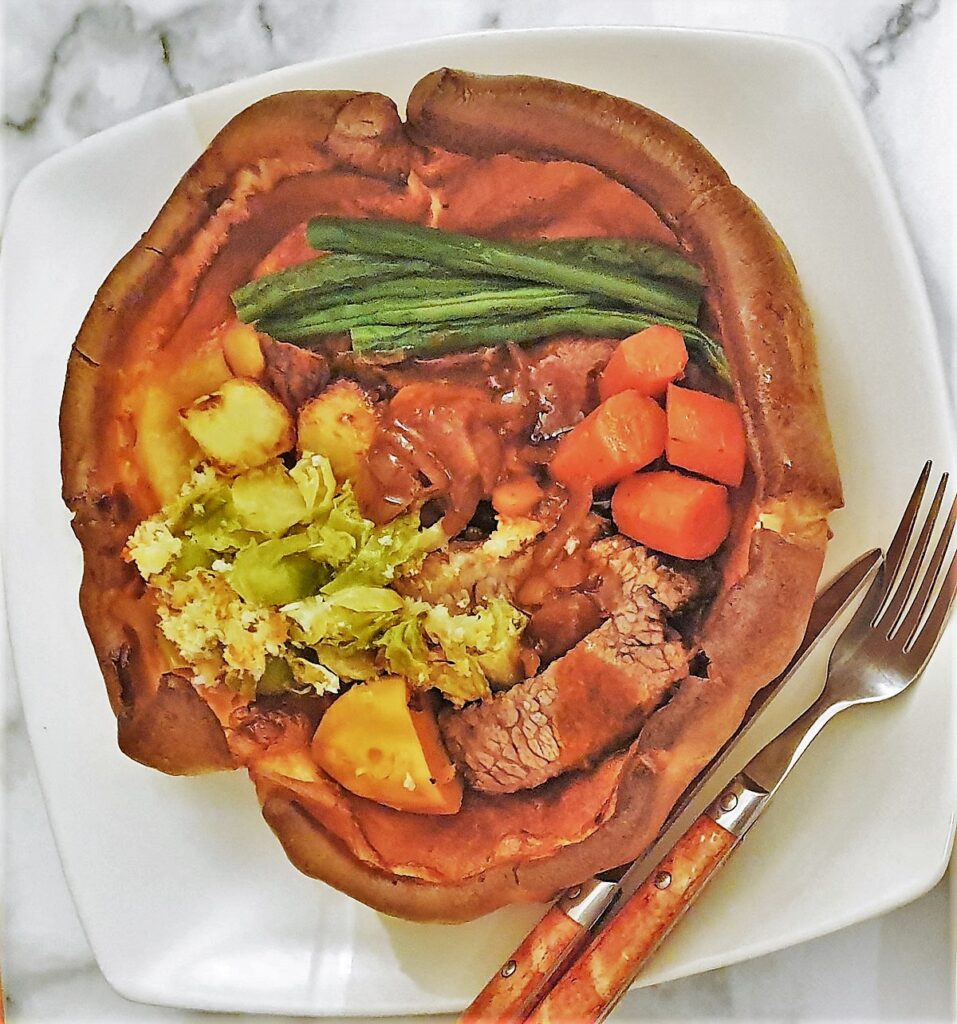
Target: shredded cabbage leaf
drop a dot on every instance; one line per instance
(276, 577)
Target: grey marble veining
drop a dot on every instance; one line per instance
(75, 67)
(881, 51)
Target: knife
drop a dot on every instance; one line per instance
(519, 985)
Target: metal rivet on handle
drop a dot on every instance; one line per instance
(728, 802)
(509, 969)
(573, 893)
(662, 880)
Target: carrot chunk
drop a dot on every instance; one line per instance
(516, 496)
(705, 435)
(646, 362)
(626, 432)
(673, 513)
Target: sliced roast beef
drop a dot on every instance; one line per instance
(625, 566)
(587, 703)
(468, 573)
(293, 374)
(564, 618)
(563, 373)
(582, 706)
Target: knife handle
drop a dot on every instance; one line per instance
(516, 987)
(601, 975)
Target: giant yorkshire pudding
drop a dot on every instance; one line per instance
(503, 157)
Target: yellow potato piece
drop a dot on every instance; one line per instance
(372, 743)
(164, 450)
(340, 424)
(267, 499)
(239, 426)
(291, 764)
(242, 351)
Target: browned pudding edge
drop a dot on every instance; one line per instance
(756, 305)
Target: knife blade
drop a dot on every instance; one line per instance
(518, 985)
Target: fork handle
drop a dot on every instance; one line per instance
(516, 987)
(592, 986)
(559, 936)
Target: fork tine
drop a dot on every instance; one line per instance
(933, 628)
(895, 607)
(868, 611)
(898, 546)
(912, 621)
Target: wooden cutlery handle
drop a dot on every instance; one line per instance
(514, 989)
(595, 982)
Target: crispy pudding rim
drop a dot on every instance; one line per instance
(755, 301)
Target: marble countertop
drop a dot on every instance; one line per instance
(74, 68)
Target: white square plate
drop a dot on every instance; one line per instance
(185, 895)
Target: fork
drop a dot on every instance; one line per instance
(884, 648)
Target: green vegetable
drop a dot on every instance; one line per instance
(346, 520)
(276, 678)
(510, 292)
(347, 664)
(211, 521)
(267, 500)
(388, 552)
(310, 675)
(276, 572)
(498, 651)
(490, 632)
(637, 257)
(317, 277)
(316, 281)
(193, 555)
(428, 340)
(461, 681)
(450, 251)
(353, 620)
(296, 592)
(317, 485)
(515, 302)
(287, 300)
(405, 651)
(471, 649)
(422, 286)
(404, 290)
(366, 599)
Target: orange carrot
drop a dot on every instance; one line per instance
(646, 362)
(623, 434)
(516, 496)
(705, 435)
(673, 513)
